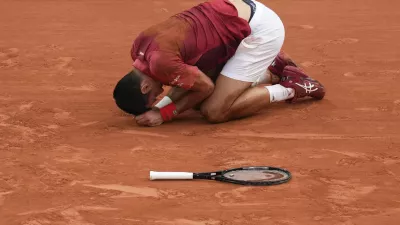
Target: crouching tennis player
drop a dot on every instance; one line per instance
(220, 55)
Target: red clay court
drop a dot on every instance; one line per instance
(69, 156)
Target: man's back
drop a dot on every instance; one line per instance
(203, 36)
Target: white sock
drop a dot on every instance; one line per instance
(279, 93)
(163, 102)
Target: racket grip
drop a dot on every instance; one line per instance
(170, 175)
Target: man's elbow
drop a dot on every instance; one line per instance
(209, 88)
(203, 85)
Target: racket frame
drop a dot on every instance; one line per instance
(219, 176)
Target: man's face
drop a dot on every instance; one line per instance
(156, 90)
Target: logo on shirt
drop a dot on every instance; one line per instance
(175, 82)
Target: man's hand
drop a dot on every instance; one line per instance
(150, 118)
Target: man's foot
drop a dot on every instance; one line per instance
(280, 62)
(293, 77)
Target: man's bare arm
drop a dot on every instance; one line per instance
(201, 89)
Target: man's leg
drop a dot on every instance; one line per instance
(233, 99)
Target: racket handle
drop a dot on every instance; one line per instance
(170, 175)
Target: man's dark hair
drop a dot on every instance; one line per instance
(128, 95)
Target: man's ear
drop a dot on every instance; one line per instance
(145, 86)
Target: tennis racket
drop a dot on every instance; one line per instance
(257, 176)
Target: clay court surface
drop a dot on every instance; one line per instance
(68, 156)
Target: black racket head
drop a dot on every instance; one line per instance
(256, 176)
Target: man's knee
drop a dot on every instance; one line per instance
(213, 114)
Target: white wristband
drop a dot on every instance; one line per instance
(163, 102)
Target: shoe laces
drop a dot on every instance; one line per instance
(308, 86)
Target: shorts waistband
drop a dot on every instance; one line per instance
(253, 7)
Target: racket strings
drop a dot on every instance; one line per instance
(256, 175)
